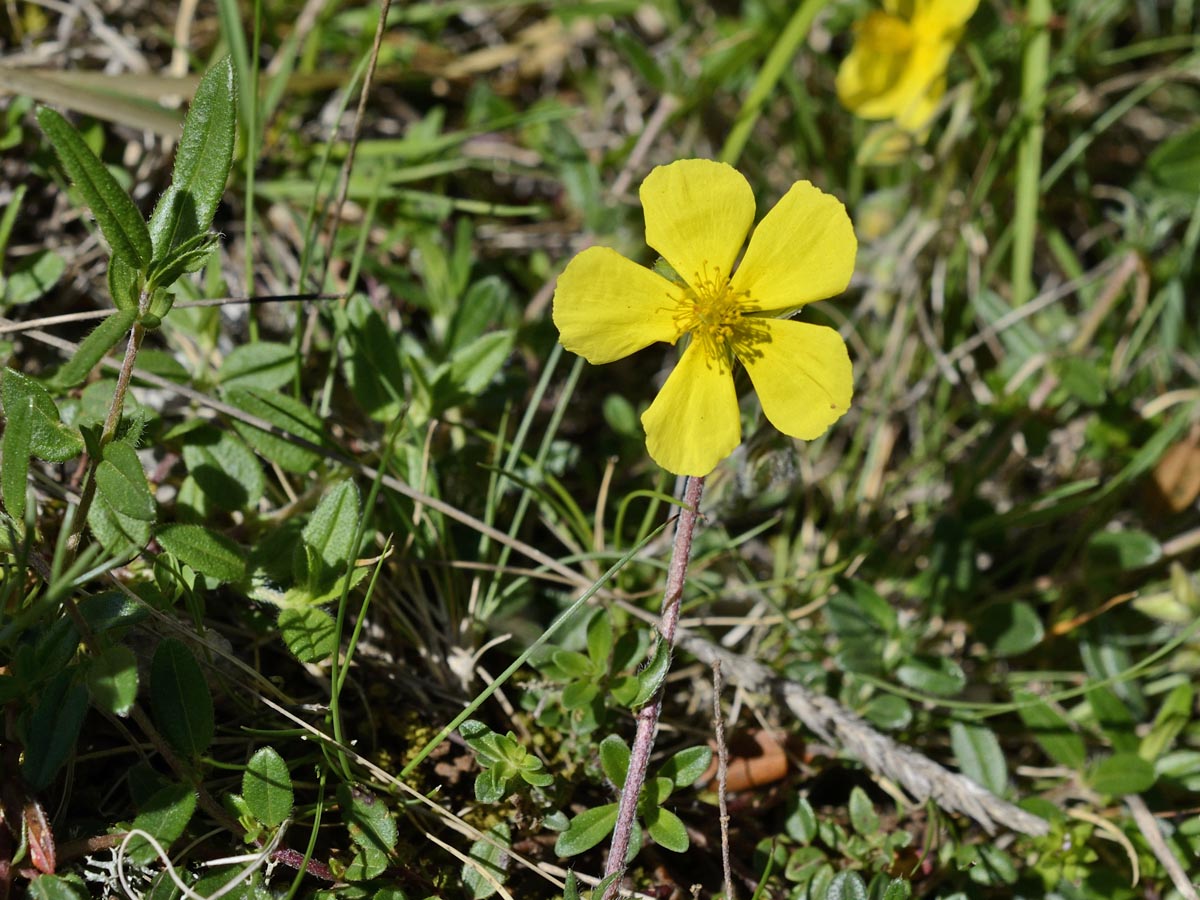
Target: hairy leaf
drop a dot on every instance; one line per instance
(267, 787)
(202, 161)
(49, 438)
(179, 696)
(94, 348)
(119, 220)
(205, 551)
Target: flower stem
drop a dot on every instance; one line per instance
(1035, 68)
(647, 716)
(111, 423)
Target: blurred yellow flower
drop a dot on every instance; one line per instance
(698, 213)
(897, 69)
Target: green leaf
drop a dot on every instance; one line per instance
(1009, 628)
(1114, 718)
(897, 889)
(579, 694)
(165, 816)
(857, 611)
(227, 472)
(587, 830)
(1175, 163)
(190, 256)
(53, 729)
(573, 664)
(1050, 729)
(179, 696)
(491, 786)
(288, 415)
(121, 483)
(33, 277)
(887, 711)
(124, 283)
(863, 817)
(933, 675)
(667, 829)
(801, 825)
(310, 634)
(980, 756)
(1122, 773)
(614, 759)
(491, 858)
(846, 886)
(94, 348)
(599, 639)
(49, 438)
(1173, 716)
(1082, 379)
(330, 533)
(202, 161)
(1124, 550)
(686, 766)
(112, 680)
(472, 367)
(209, 553)
(14, 457)
(367, 817)
(481, 739)
(371, 358)
(54, 887)
(267, 788)
(263, 365)
(118, 218)
(650, 678)
(367, 863)
(111, 609)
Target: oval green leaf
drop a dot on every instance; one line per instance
(180, 699)
(210, 554)
(980, 756)
(587, 830)
(113, 680)
(267, 788)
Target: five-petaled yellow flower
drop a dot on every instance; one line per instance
(897, 69)
(698, 213)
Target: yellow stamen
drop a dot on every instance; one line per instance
(714, 315)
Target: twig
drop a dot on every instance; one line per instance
(647, 716)
(722, 778)
(831, 722)
(7, 327)
(1148, 826)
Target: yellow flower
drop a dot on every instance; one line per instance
(698, 213)
(897, 69)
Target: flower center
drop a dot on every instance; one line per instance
(714, 315)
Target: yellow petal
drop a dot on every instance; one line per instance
(917, 118)
(871, 79)
(606, 306)
(802, 251)
(694, 422)
(697, 215)
(802, 375)
(951, 14)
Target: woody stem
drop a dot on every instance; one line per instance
(647, 716)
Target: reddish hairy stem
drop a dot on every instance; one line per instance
(647, 716)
